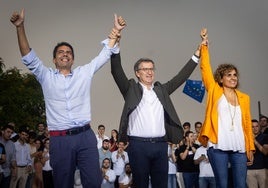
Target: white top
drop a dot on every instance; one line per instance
(204, 166)
(230, 138)
(172, 168)
(125, 179)
(99, 140)
(119, 163)
(147, 120)
(47, 166)
(109, 184)
(22, 154)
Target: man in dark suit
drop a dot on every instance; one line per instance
(149, 119)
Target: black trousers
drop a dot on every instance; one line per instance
(48, 179)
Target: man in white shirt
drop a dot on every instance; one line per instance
(107, 174)
(206, 175)
(101, 136)
(149, 119)
(23, 159)
(119, 159)
(125, 179)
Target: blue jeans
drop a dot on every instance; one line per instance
(172, 181)
(69, 152)
(190, 179)
(219, 162)
(207, 182)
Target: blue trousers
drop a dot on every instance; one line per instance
(172, 181)
(190, 179)
(148, 159)
(219, 162)
(69, 152)
(207, 182)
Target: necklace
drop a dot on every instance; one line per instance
(230, 112)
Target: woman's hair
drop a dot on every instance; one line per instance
(112, 138)
(222, 70)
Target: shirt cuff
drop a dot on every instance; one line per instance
(195, 59)
(28, 57)
(114, 50)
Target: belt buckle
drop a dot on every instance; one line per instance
(152, 140)
(71, 132)
(77, 130)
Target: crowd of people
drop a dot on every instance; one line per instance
(25, 159)
(151, 148)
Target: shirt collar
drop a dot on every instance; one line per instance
(57, 71)
(145, 87)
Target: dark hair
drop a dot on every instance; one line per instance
(5, 127)
(196, 123)
(187, 133)
(101, 126)
(23, 129)
(112, 138)
(106, 159)
(222, 70)
(41, 124)
(186, 124)
(127, 164)
(41, 144)
(62, 44)
(264, 117)
(141, 60)
(105, 140)
(32, 135)
(254, 121)
(46, 139)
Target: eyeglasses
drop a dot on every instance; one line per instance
(147, 69)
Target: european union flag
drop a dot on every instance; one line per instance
(194, 89)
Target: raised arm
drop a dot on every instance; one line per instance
(18, 20)
(115, 34)
(205, 66)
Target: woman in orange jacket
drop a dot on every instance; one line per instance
(226, 131)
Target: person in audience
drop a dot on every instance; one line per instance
(185, 159)
(23, 160)
(256, 176)
(113, 140)
(108, 174)
(206, 175)
(47, 169)
(101, 136)
(104, 151)
(172, 167)
(125, 179)
(119, 159)
(9, 167)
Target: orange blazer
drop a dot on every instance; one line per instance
(209, 129)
